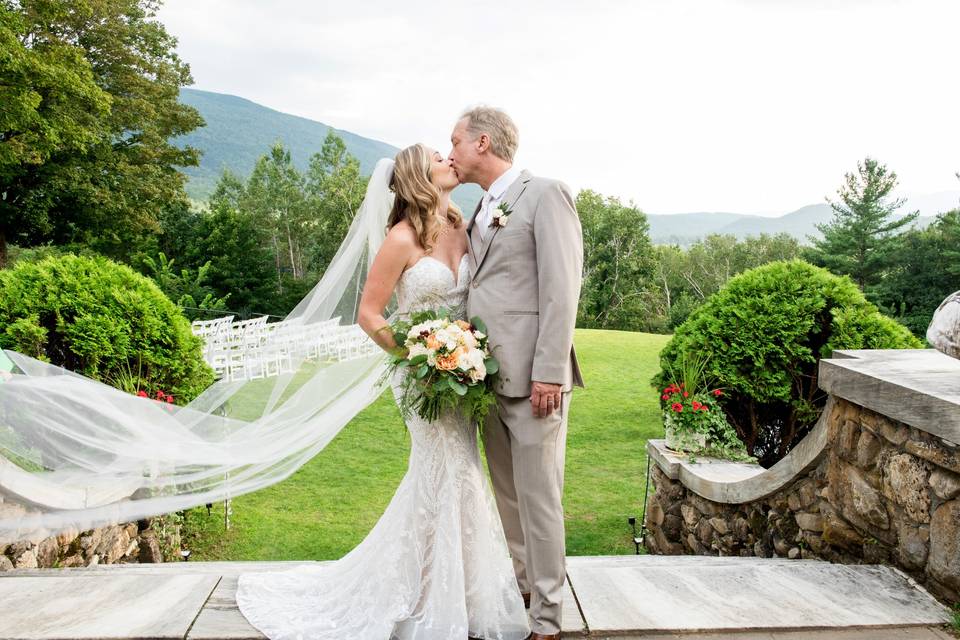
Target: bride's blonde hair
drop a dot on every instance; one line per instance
(417, 198)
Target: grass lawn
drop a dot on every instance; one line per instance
(329, 505)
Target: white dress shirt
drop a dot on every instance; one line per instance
(493, 196)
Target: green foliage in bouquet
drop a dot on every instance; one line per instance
(434, 380)
(103, 320)
(763, 335)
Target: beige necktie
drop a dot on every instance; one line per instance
(484, 217)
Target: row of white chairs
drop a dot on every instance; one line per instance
(253, 349)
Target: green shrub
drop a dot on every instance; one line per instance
(103, 320)
(763, 335)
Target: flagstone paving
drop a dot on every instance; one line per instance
(653, 597)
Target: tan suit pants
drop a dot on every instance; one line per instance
(526, 459)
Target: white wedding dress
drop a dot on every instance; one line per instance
(436, 565)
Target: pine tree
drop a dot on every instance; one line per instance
(861, 239)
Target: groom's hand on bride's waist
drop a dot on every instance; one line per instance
(544, 398)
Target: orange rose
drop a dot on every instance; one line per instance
(447, 362)
(432, 342)
(463, 325)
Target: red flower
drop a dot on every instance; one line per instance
(160, 395)
(664, 397)
(685, 394)
(170, 399)
(142, 394)
(681, 385)
(717, 392)
(677, 407)
(696, 405)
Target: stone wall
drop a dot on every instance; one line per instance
(880, 491)
(143, 541)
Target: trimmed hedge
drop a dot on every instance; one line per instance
(103, 320)
(764, 334)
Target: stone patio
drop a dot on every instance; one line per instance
(654, 597)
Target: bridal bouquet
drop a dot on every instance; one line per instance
(448, 365)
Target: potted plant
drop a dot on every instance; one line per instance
(693, 420)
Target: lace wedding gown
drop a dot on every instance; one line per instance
(436, 565)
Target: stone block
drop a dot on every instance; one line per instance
(26, 560)
(813, 541)
(945, 484)
(48, 551)
(847, 440)
(905, 481)
(704, 506)
(794, 553)
(720, 525)
(913, 543)
(810, 521)
(113, 545)
(868, 449)
(150, 548)
(705, 532)
(781, 546)
(793, 502)
(855, 498)
(672, 526)
(894, 432)
(73, 561)
(18, 547)
(89, 542)
(932, 449)
(838, 533)
(690, 515)
(944, 561)
(741, 528)
(654, 513)
(5, 564)
(807, 491)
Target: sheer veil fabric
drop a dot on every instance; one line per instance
(77, 454)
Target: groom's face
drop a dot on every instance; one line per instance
(466, 152)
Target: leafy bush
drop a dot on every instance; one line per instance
(103, 320)
(762, 336)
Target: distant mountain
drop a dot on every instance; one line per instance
(686, 228)
(239, 131)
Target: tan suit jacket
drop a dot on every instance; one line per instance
(525, 285)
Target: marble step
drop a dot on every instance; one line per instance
(653, 597)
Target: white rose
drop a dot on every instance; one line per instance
(478, 374)
(418, 350)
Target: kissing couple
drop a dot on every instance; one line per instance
(447, 561)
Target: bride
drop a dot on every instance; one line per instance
(436, 565)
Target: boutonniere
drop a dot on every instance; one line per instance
(501, 215)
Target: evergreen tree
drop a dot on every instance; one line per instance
(862, 237)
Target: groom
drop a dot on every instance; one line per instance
(526, 251)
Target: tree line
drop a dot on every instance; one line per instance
(89, 113)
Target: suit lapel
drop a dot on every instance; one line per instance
(510, 197)
(470, 226)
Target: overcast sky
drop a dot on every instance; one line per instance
(752, 106)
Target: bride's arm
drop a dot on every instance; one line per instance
(388, 265)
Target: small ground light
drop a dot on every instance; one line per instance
(185, 554)
(637, 541)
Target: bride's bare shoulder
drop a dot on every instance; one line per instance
(401, 235)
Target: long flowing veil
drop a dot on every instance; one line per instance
(77, 454)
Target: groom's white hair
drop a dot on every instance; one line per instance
(498, 126)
